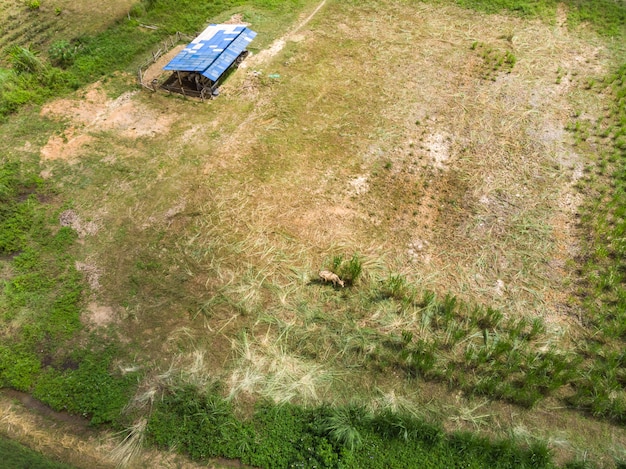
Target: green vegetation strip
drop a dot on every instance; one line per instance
(602, 386)
(203, 425)
(40, 308)
(608, 16)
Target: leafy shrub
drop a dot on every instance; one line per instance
(62, 53)
(202, 424)
(342, 426)
(18, 369)
(199, 424)
(396, 287)
(91, 389)
(291, 436)
(348, 270)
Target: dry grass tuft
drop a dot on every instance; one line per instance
(131, 446)
(266, 369)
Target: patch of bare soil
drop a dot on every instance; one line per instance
(65, 146)
(92, 274)
(155, 71)
(561, 15)
(236, 19)
(100, 315)
(95, 112)
(73, 220)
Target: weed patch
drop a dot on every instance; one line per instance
(494, 61)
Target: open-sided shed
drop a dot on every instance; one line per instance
(199, 67)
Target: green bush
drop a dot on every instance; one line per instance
(284, 436)
(18, 369)
(199, 424)
(86, 385)
(25, 60)
(62, 53)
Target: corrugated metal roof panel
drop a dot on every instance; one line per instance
(213, 51)
(230, 54)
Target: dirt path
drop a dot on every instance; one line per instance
(68, 438)
(279, 44)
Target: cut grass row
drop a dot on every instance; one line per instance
(465, 346)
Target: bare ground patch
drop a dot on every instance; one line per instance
(155, 71)
(95, 112)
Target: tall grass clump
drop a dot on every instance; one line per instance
(25, 60)
(342, 425)
(349, 270)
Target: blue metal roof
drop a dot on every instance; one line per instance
(213, 51)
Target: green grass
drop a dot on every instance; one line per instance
(41, 305)
(17, 456)
(608, 16)
(602, 388)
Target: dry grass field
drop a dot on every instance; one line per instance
(426, 138)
